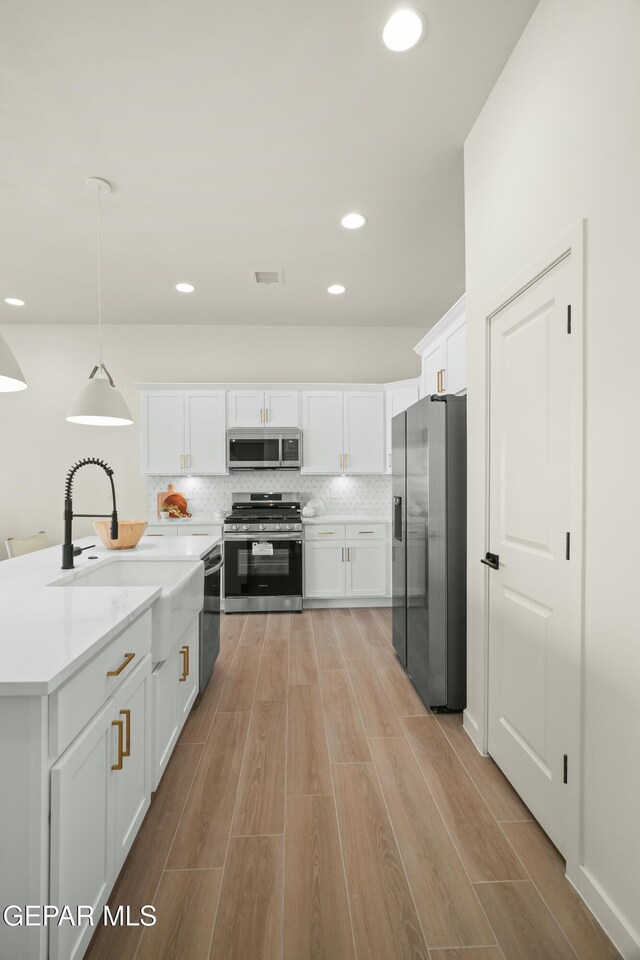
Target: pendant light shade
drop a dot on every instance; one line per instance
(99, 404)
(11, 376)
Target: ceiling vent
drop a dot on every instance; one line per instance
(267, 277)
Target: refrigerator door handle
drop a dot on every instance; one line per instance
(491, 560)
(397, 518)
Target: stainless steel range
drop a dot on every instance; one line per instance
(263, 553)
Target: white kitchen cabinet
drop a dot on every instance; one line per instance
(397, 397)
(205, 436)
(82, 829)
(324, 569)
(100, 792)
(262, 408)
(432, 364)
(183, 431)
(133, 781)
(366, 568)
(345, 561)
(162, 432)
(188, 679)
(322, 446)
(175, 684)
(443, 353)
(363, 432)
(343, 431)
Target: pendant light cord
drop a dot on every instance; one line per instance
(99, 289)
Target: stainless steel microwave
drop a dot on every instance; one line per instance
(251, 449)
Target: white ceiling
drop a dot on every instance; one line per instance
(235, 135)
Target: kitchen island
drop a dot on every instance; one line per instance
(82, 722)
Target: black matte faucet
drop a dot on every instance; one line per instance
(68, 549)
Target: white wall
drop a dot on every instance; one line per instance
(559, 140)
(37, 445)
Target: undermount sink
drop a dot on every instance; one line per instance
(181, 599)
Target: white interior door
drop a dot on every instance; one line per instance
(534, 655)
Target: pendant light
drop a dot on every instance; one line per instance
(11, 376)
(99, 404)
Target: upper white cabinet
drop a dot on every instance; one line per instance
(443, 352)
(183, 431)
(263, 408)
(343, 432)
(397, 397)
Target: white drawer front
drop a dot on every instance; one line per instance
(366, 531)
(324, 531)
(72, 706)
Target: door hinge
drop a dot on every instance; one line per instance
(568, 318)
(565, 769)
(568, 547)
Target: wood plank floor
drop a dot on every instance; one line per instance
(314, 809)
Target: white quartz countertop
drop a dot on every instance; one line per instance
(194, 518)
(47, 633)
(348, 518)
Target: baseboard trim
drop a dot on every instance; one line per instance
(340, 602)
(470, 726)
(624, 937)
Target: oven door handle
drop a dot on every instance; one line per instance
(209, 571)
(254, 538)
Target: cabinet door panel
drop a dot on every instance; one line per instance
(245, 408)
(324, 569)
(397, 399)
(322, 431)
(432, 361)
(455, 358)
(282, 408)
(162, 432)
(164, 682)
(82, 868)
(189, 665)
(366, 568)
(364, 432)
(132, 782)
(205, 432)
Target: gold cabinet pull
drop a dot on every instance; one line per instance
(365, 531)
(185, 663)
(341, 459)
(261, 415)
(200, 534)
(325, 533)
(267, 415)
(128, 657)
(120, 725)
(346, 460)
(127, 732)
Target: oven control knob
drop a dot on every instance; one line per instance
(261, 526)
(288, 526)
(234, 526)
(278, 526)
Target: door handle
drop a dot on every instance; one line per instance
(127, 732)
(491, 560)
(120, 725)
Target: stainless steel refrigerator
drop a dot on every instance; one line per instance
(429, 493)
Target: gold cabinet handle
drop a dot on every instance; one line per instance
(341, 459)
(120, 725)
(326, 533)
(127, 732)
(185, 663)
(442, 373)
(346, 460)
(365, 531)
(128, 657)
(199, 534)
(261, 415)
(267, 415)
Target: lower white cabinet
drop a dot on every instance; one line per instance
(345, 561)
(175, 684)
(100, 792)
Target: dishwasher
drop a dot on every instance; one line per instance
(210, 616)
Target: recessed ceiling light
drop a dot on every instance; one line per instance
(353, 221)
(14, 302)
(185, 287)
(336, 288)
(402, 30)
